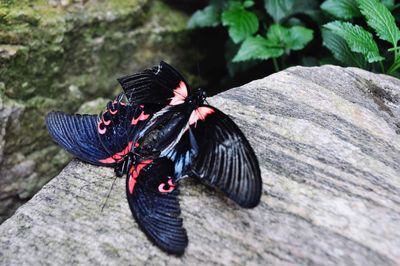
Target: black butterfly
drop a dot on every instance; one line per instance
(111, 139)
(200, 139)
(162, 134)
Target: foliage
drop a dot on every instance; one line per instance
(359, 40)
(356, 32)
(259, 34)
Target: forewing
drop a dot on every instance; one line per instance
(118, 126)
(162, 85)
(78, 135)
(225, 158)
(153, 199)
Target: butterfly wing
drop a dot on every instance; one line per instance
(162, 85)
(100, 140)
(153, 199)
(118, 126)
(78, 135)
(216, 151)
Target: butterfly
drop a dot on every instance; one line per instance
(111, 139)
(157, 132)
(200, 139)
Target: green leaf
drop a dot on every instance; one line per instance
(231, 50)
(241, 22)
(341, 51)
(358, 39)
(294, 38)
(278, 34)
(281, 9)
(248, 3)
(299, 37)
(257, 48)
(380, 19)
(388, 3)
(207, 17)
(344, 9)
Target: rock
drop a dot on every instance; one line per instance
(59, 54)
(328, 144)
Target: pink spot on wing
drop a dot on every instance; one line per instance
(134, 173)
(106, 122)
(99, 129)
(121, 103)
(180, 94)
(162, 189)
(200, 114)
(141, 117)
(119, 155)
(113, 112)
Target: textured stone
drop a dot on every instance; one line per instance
(59, 54)
(329, 148)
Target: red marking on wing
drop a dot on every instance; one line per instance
(200, 113)
(121, 103)
(113, 112)
(180, 94)
(134, 173)
(119, 155)
(106, 122)
(99, 129)
(141, 117)
(162, 185)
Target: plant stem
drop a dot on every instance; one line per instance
(393, 67)
(396, 61)
(382, 67)
(276, 66)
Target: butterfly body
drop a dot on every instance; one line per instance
(156, 133)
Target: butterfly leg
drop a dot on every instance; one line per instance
(122, 167)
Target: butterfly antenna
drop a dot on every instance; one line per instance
(109, 193)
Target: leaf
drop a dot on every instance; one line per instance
(388, 3)
(278, 34)
(248, 3)
(281, 9)
(381, 20)
(299, 36)
(358, 39)
(207, 17)
(241, 23)
(231, 50)
(344, 9)
(257, 48)
(294, 38)
(341, 51)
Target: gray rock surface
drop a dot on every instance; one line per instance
(329, 147)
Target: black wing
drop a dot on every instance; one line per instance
(223, 157)
(153, 199)
(118, 126)
(162, 85)
(78, 135)
(100, 140)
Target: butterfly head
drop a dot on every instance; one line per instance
(198, 97)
